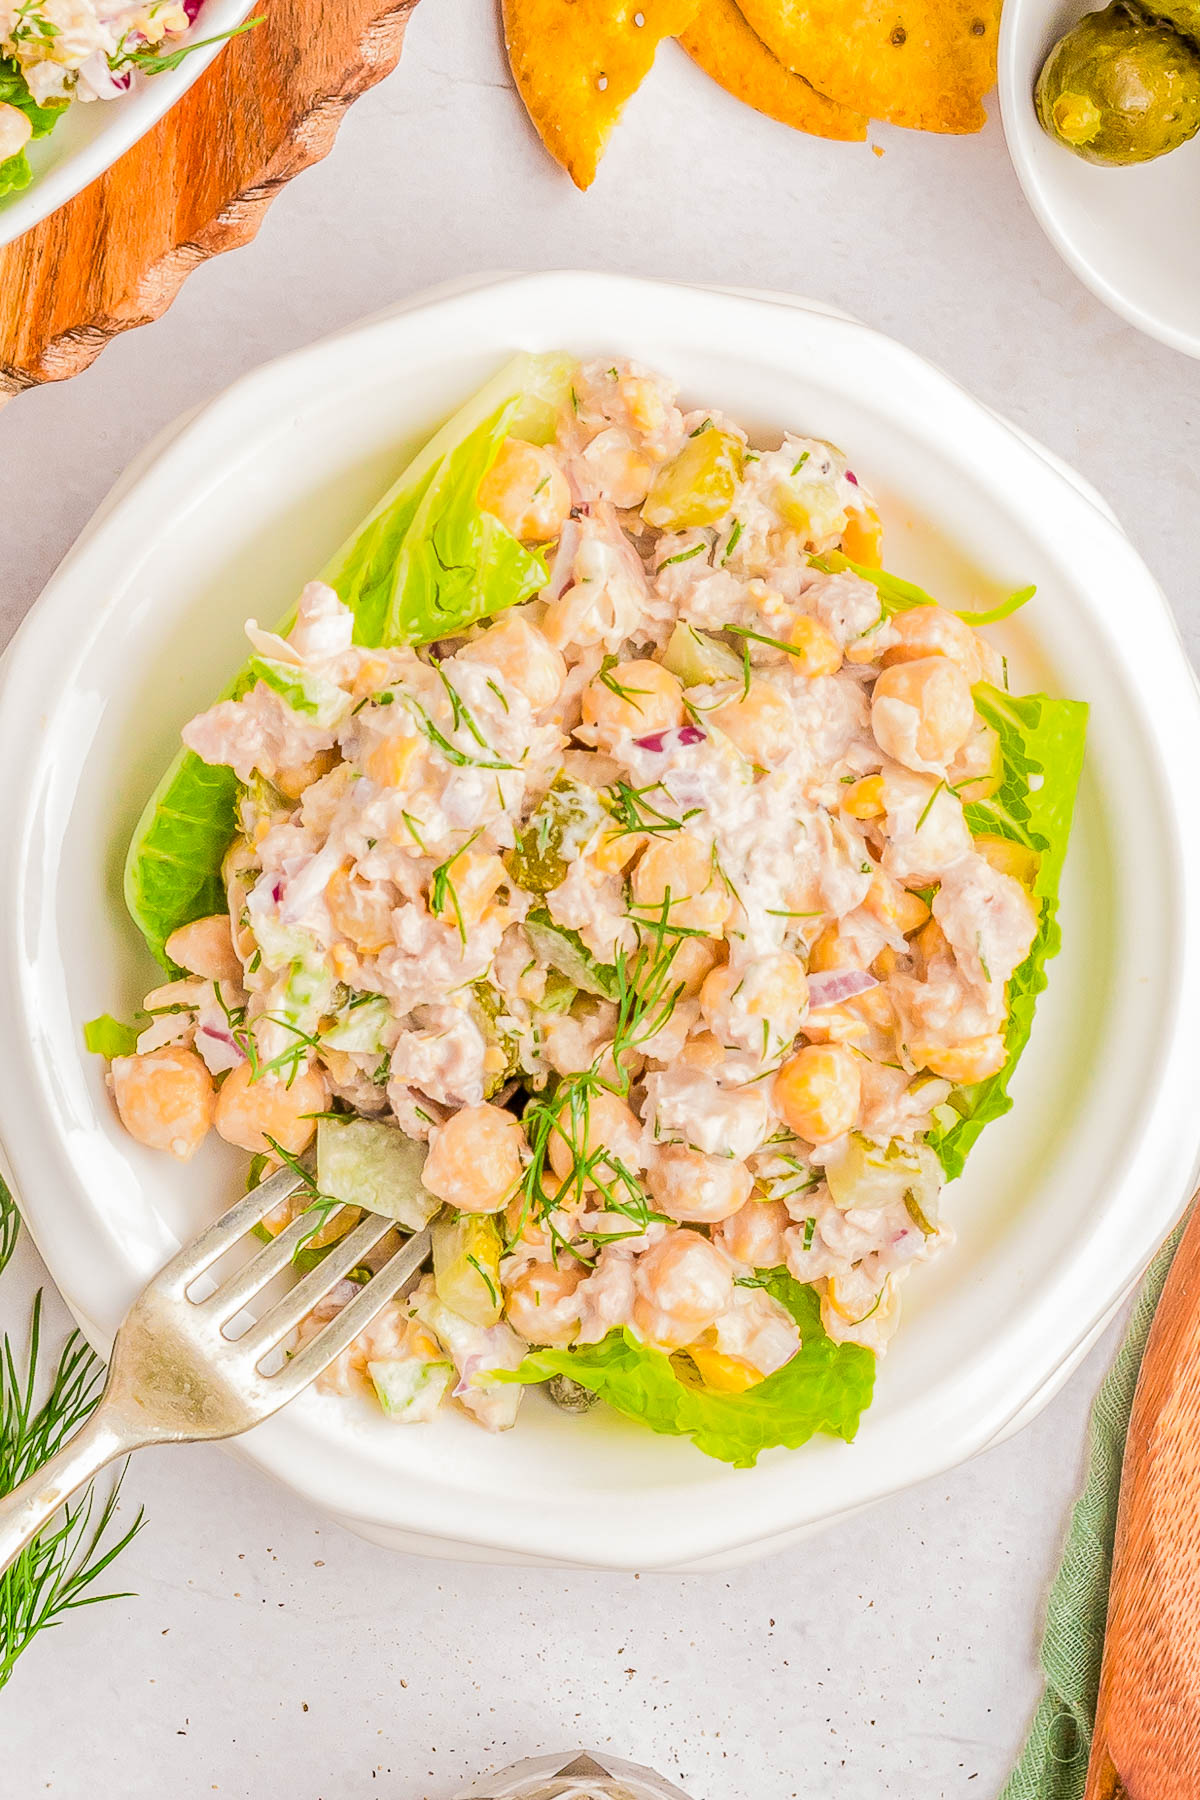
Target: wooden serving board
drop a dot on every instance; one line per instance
(198, 183)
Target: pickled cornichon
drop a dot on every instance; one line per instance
(697, 488)
(1182, 15)
(1120, 88)
(558, 831)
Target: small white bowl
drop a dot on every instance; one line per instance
(1127, 233)
(93, 135)
(1063, 1202)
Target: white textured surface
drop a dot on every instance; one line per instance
(892, 1659)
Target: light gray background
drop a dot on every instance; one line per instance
(270, 1655)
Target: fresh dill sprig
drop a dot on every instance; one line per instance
(150, 62)
(646, 997)
(55, 1573)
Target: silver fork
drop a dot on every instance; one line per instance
(175, 1377)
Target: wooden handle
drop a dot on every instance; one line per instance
(198, 183)
(1146, 1744)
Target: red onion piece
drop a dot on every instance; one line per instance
(832, 987)
(657, 740)
(852, 477)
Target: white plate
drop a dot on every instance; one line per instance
(1127, 233)
(92, 136)
(1064, 1200)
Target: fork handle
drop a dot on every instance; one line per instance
(34, 1502)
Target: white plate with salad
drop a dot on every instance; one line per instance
(83, 80)
(614, 852)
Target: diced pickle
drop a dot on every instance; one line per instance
(698, 487)
(558, 831)
(498, 1028)
(466, 1267)
(695, 658)
(867, 1176)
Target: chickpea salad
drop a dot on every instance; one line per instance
(609, 863)
(53, 52)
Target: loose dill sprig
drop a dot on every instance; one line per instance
(150, 62)
(55, 1573)
(619, 688)
(635, 813)
(442, 888)
(320, 1205)
(458, 758)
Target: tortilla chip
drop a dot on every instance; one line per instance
(720, 40)
(576, 62)
(922, 63)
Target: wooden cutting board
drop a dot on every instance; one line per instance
(199, 183)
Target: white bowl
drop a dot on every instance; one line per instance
(1064, 1200)
(1127, 233)
(92, 136)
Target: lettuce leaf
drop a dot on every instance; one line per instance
(1041, 749)
(825, 1387)
(427, 562)
(17, 171)
(108, 1037)
(897, 595)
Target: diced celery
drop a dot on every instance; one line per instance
(565, 951)
(369, 1163)
(410, 1390)
(466, 1267)
(697, 488)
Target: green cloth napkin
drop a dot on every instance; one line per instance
(1053, 1764)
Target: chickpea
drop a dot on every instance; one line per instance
(862, 540)
(760, 722)
(635, 699)
(474, 876)
(933, 631)
(474, 1161)
(522, 656)
(894, 905)
(817, 651)
(922, 711)
(833, 951)
(687, 1184)
(527, 491)
(361, 913)
(16, 129)
(703, 1051)
(249, 1112)
(680, 866)
(599, 1122)
(294, 781)
(975, 1060)
(394, 761)
(691, 964)
(541, 1305)
(760, 1007)
(618, 467)
(754, 1234)
(205, 947)
(165, 1099)
(819, 1092)
(682, 1285)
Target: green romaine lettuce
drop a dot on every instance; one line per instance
(108, 1037)
(427, 562)
(16, 171)
(825, 1387)
(1041, 749)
